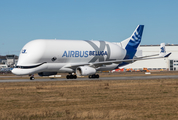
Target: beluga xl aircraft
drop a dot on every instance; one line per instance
(79, 57)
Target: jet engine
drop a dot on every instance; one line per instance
(85, 70)
(47, 73)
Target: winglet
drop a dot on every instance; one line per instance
(167, 55)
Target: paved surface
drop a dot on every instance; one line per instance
(104, 78)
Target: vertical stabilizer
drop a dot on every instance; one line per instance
(131, 43)
(162, 49)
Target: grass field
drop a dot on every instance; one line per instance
(97, 99)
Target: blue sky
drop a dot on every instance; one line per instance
(110, 20)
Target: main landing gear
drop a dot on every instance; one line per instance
(71, 77)
(93, 76)
(32, 77)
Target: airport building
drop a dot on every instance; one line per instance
(170, 63)
(8, 60)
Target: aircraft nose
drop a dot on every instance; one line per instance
(17, 71)
(20, 72)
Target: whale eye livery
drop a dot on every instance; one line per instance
(53, 59)
(79, 57)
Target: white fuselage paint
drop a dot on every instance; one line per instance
(54, 55)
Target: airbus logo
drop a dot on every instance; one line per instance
(98, 53)
(163, 50)
(24, 51)
(83, 53)
(75, 54)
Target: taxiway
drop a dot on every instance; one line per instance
(102, 78)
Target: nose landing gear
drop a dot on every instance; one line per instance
(32, 77)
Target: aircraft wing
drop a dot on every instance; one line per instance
(98, 64)
(130, 60)
(146, 56)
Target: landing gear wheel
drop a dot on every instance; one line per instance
(75, 76)
(93, 76)
(32, 78)
(71, 77)
(97, 76)
(89, 76)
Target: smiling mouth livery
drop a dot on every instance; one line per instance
(79, 57)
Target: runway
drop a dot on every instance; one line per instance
(102, 78)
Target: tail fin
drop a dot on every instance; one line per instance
(163, 49)
(131, 43)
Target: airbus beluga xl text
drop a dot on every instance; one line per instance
(81, 57)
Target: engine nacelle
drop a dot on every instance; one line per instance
(47, 73)
(85, 70)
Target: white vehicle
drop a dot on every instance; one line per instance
(78, 57)
(3, 66)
